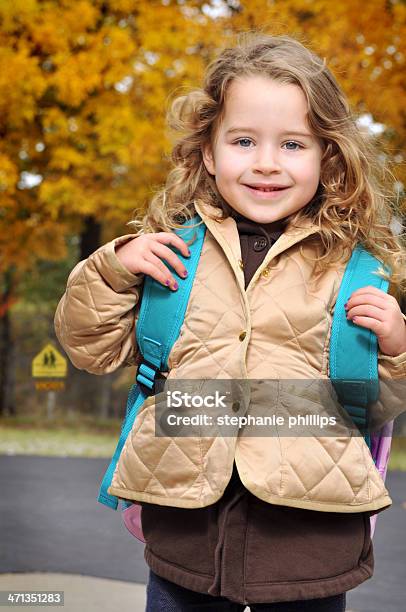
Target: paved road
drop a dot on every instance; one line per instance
(50, 521)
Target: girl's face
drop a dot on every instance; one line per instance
(264, 142)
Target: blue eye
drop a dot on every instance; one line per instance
(246, 140)
(294, 143)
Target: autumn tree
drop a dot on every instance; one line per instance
(83, 92)
(84, 87)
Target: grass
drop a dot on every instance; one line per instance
(63, 437)
(87, 436)
(62, 443)
(397, 459)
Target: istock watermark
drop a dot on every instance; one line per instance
(248, 407)
(176, 399)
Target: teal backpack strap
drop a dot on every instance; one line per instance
(161, 316)
(353, 349)
(163, 311)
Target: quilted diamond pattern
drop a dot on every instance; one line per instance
(283, 341)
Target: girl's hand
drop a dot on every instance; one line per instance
(376, 310)
(144, 253)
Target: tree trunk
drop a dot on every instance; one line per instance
(105, 396)
(90, 393)
(6, 346)
(90, 237)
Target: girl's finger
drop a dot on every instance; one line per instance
(153, 268)
(366, 310)
(367, 299)
(368, 323)
(169, 281)
(368, 290)
(172, 239)
(164, 252)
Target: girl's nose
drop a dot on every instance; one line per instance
(266, 161)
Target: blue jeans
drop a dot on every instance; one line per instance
(165, 596)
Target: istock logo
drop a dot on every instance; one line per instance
(175, 399)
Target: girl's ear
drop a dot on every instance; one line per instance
(208, 158)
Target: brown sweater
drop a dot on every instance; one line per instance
(248, 550)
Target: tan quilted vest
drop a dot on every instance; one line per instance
(278, 328)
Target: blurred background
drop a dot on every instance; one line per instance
(84, 88)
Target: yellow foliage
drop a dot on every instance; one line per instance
(78, 17)
(125, 6)
(66, 158)
(84, 88)
(364, 44)
(76, 77)
(8, 177)
(21, 86)
(58, 125)
(15, 12)
(64, 195)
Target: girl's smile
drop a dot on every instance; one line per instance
(265, 160)
(265, 193)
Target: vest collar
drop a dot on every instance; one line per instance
(226, 233)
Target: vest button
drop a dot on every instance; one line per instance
(242, 336)
(235, 406)
(260, 243)
(265, 273)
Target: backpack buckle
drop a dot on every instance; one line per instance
(147, 376)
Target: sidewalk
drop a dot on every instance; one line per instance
(81, 592)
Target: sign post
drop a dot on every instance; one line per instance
(49, 365)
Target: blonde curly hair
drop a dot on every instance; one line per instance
(355, 200)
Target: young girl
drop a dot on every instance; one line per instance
(272, 160)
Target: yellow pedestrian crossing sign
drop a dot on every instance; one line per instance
(49, 363)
